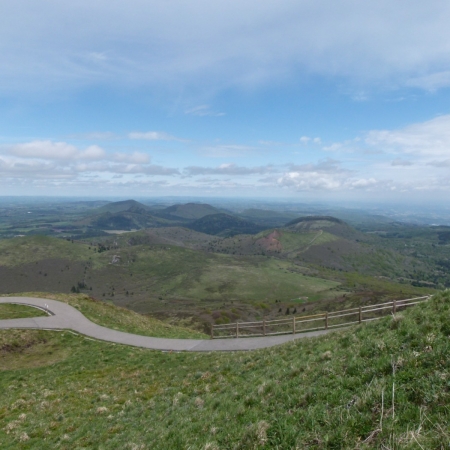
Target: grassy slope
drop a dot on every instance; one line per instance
(22, 250)
(268, 280)
(168, 269)
(380, 385)
(299, 241)
(19, 312)
(166, 280)
(118, 318)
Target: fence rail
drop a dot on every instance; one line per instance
(301, 324)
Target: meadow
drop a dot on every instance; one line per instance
(379, 385)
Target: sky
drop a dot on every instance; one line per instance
(304, 99)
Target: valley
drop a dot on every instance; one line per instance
(196, 264)
(173, 272)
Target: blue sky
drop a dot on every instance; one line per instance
(293, 99)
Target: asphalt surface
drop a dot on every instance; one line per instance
(65, 317)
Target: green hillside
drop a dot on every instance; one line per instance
(148, 273)
(125, 205)
(189, 211)
(324, 242)
(24, 250)
(383, 385)
(224, 225)
(126, 220)
(124, 215)
(266, 217)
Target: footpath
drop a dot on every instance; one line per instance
(65, 317)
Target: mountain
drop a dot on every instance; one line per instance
(331, 225)
(224, 225)
(187, 211)
(265, 217)
(130, 214)
(322, 241)
(125, 205)
(123, 215)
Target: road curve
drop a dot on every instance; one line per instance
(65, 317)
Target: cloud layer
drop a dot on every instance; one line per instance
(415, 158)
(219, 44)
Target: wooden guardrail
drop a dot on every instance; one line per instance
(322, 321)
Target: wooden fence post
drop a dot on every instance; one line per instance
(293, 325)
(360, 314)
(264, 327)
(394, 307)
(326, 320)
(237, 329)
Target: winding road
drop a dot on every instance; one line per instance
(65, 317)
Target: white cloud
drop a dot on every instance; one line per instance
(333, 147)
(45, 150)
(152, 136)
(306, 181)
(31, 169)
(227, 169)
(92, 152)
(326, 165)
(430, 138)
(225, 151)
(307, 139)
(363, 183)
(60, 160)
(135, 157)
(401, 162)
(55, 151)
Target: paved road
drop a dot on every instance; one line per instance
(65, 317)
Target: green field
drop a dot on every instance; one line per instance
(24, 250)
(379, 385)
(12, 311)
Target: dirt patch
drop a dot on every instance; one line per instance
(271, 242)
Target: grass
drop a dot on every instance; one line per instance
(380, 385)
(177, 283)
(22, 250)
(167, 269)
(118, 318)
(10, 311)
(292, 242)
(265, 279)
(359, 281)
